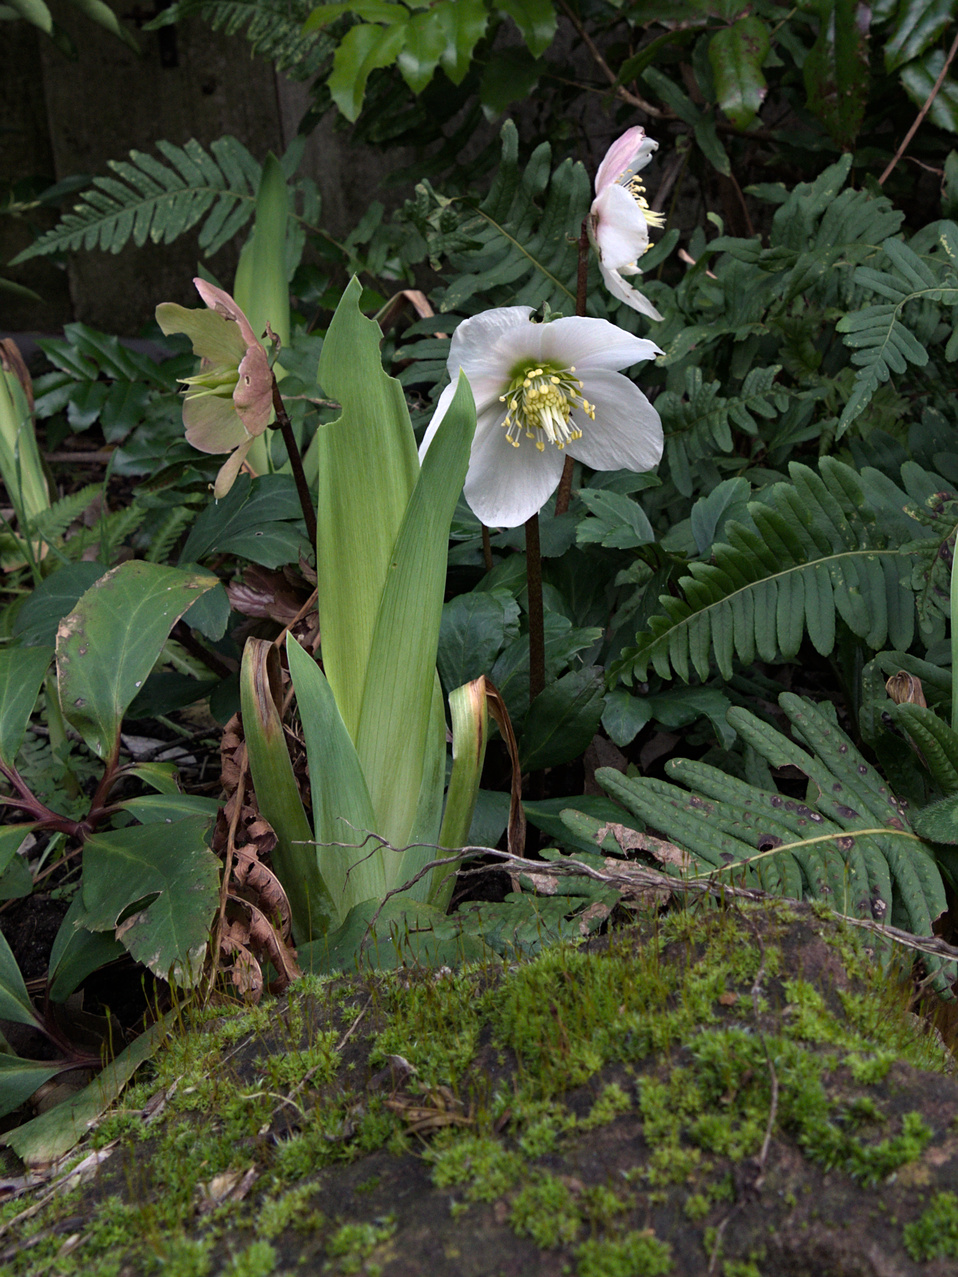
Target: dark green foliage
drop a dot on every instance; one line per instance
(516, 246)
(848, 844)
(817, 550)
(151, 200)
(274, 29)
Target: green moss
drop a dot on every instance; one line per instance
(869, 1069)
(740, 1268)
(318, 1062)
(634, 1255)
(612, 1101)
(183, 1257)
(869, 1164)
(353, 1245)
(600, 1205)
(257, 1260)
(545, 1210)
(935, 1234)
(696, 1207)
(481, 1163)
(290, 1210)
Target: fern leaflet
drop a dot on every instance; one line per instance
(274, 28)
(818, 550)
(151, 200)
(520, 239)
(880, 342)
(848, 846)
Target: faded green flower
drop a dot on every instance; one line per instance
(230, 400)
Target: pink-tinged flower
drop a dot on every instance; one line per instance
(620, 217)
(541, 391)
(230, 401)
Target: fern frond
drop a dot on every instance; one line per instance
(521, 238)
(698, 422)
(274, 29)
(51, 524)
(856, 852)
(164, 537)
(881, 343)
(151, 200)
(937, 742)
(818, 549)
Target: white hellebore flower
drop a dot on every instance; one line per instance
(620, 217)
(542, 390)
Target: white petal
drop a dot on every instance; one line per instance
(442, 407)
(486, 404)
(589, 343)
(619, 228)
(624, 291)
(505, 486)
(629, 153)
(477, 343)
(627, 431)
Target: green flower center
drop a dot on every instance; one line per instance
(540, 401)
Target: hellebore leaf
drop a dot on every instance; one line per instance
(155, 886)
(111, 640)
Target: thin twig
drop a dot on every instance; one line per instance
(923, 112)
(620, 90)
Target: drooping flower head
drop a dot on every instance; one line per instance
(620, 217)
(229, 402)
(543, 391)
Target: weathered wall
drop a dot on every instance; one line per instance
(62, 118)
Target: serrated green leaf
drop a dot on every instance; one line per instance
(22, 670)
(736, 55)
(108, 644)
(172, 871)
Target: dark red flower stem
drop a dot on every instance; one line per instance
(296, 463)
(537, 648)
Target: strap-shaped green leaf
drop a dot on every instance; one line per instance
(342, 811)
(294, 856)
(394, 723)
(367, 470)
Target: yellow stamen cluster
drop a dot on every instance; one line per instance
(636, 189)
(540, 401)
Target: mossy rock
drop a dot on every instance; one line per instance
(737, 1091)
